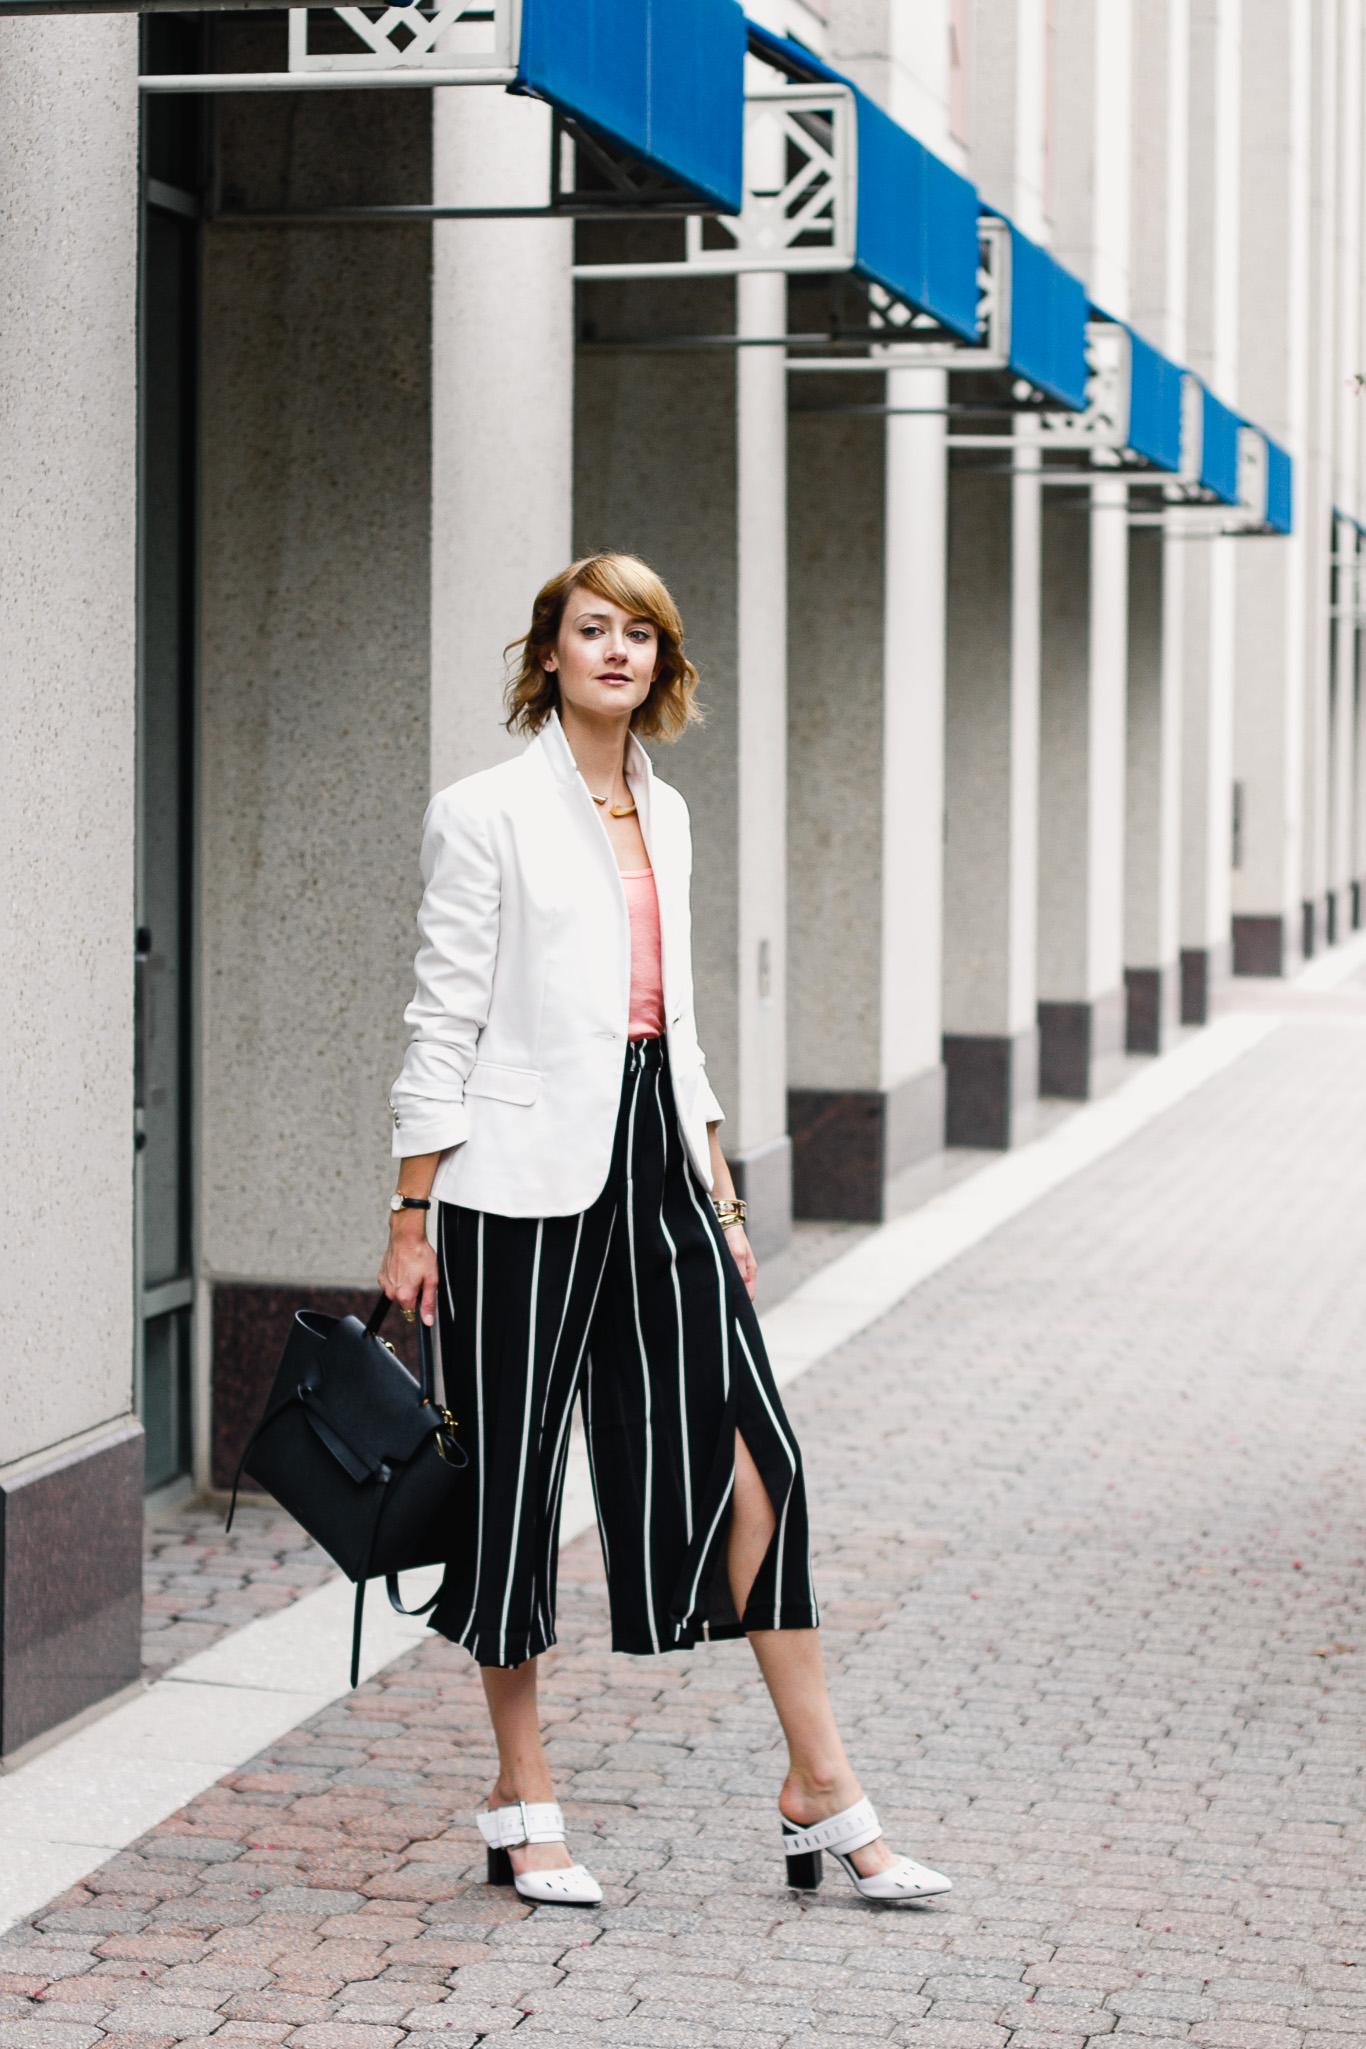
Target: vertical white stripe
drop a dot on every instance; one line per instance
(526, 1432)
(592, 1465)
(547, 1481)
(481, 1497)
(647, 1560)
(792, 1461)
(678, 1314)
(708, 1220)
(561, 1453)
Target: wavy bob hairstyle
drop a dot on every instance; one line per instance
(533, 692)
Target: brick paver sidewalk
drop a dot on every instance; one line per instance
(1092, 1552)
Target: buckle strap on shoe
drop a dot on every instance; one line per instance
(534, 1821)
(849, 1830)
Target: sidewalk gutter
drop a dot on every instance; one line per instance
(78, 1803)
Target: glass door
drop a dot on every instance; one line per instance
(163, 951)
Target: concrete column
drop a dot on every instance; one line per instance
(866, 720)
(1314, 514)
(1159, 202)
(1214, 276)
(991, 802)
(70, 1449)
(757, 1144)
(1153, 772)
(314, 714)
(502, 411)
(1271, 596)
(1085, 606)
(1342, 717)
(1081, 791)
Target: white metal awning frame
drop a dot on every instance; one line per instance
(446, 44)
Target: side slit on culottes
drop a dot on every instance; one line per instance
(636, 1305)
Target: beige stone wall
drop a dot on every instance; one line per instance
(68, 410)
(314, 738)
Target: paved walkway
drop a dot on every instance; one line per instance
(1092, 1555)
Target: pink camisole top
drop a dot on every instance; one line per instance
(647, 967)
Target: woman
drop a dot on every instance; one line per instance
(555, 1106)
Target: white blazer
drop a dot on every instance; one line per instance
(523, 985)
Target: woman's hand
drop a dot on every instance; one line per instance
(408, 1271)
(743, 1255)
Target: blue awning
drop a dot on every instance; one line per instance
(664, 79)
(1280, 488)
(916, 231)
(1219, 449)
(1154, 405)
(1047, 322)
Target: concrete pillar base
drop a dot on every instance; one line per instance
(992, 1087)
(1152, 1008)
(1081, 1046)
(1356, 906)
(763, 1180)
(1309, 930)
(1261, 945)
(69, 1639)
(1332, 922)
(848, 1144)
(1203, 968)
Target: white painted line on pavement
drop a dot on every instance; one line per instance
(73, 1806)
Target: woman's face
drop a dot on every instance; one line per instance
(605, 659)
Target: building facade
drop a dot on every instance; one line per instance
(1030, 654)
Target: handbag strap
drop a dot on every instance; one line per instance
(427, 1374)
(391, 1589)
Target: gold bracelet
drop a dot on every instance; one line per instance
(729, 1213)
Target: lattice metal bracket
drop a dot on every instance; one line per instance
(921, 343)
(1102, 430)
(801, 194)
(415, 45)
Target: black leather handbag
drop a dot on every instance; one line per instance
(359, 1453)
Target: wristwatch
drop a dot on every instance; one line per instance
(397, 1202)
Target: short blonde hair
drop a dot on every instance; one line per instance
(533, 692)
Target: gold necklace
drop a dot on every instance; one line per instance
(616, 810)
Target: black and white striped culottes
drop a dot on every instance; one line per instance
(636, 1305)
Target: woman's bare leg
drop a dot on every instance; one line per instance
(820, 1780)
(523, 1773)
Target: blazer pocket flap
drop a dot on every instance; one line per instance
(504, 1084)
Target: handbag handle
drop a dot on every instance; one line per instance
(427, 1376)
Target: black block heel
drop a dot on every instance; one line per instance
(804, 1871)
(500, 1868)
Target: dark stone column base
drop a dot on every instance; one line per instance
(70, 1583)
(250, 1325)
(847, 1144)
(1309, 930)
(993, 1085)
(1331, 921)
(1259, 945)
(1203, 968)
(1152, 1008)
(1356, 906)
(1081, 1046)
(763, 1181)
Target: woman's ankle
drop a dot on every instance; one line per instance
(533, 1787)
(812, 1794)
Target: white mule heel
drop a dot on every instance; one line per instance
(540, 1821)
(842, 1834)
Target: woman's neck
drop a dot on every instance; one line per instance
(598, 746)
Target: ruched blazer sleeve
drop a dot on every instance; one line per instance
(458, 928)
(520, 1013)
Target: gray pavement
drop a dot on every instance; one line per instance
(1092, 1551)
